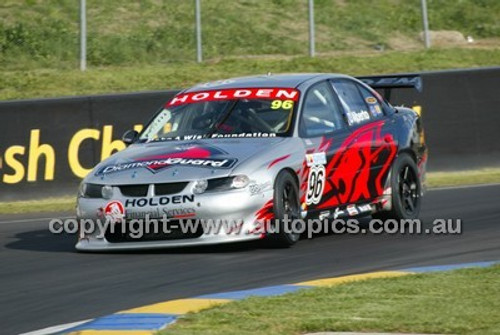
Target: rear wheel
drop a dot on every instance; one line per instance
(286, 205)
(406, 190)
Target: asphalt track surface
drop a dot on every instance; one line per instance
(44, 282)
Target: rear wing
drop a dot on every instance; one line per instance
(389, 82)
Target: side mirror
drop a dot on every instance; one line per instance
(130, 136)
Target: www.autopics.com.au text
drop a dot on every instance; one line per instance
(137, 228)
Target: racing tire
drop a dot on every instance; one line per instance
(286, 203)
(406, 190)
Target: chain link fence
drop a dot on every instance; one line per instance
(37, 34)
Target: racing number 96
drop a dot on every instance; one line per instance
(283, 104)
(315, 184)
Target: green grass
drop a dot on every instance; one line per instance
(44, 33)
(149, 44)
(457, 302)
(483, 176)
(52, 82)
(61, 204)
(434, 179)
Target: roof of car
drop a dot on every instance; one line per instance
(268, 80)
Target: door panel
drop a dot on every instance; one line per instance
(323, 131)
(358, 169)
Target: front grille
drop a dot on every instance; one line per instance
(134, 190)
(142, 190)
(121, 233)
(169, 188)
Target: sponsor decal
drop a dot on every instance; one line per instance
(153, 214)
(232, 94)
(176, 213)
(159, 201)
(242, 135)
(317, 158)
(201, 137)
(315, 184)
(256, 189)
(114, 211)
(365, 208)
(157, 164)
(315, 163)
(310, 187)
(358, 117)
(375, 110)
(192, 155)
(338, 212)
(371, 100)
(352, 210)
(180, 213)
(324, 215)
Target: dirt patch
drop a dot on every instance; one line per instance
(403, 42)
(442, 38)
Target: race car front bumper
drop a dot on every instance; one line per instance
(179, 220)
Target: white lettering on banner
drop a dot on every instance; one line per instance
(229, 94)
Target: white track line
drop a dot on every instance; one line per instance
(445, 188)
(55, 329)
(35, 219)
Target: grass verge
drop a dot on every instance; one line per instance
(456, 302)
(44, 34)
(434, 179)
(20, 84)
(472, 177)
(60, 204)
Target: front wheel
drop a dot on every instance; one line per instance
(286, 205)
(406, 190)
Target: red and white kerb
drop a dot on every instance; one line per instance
(238, 93)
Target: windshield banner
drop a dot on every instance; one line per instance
(232, 94)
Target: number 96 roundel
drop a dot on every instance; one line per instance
(315, 184)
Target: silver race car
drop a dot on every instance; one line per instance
(238, 159)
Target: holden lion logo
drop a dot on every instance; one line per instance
(114, 211)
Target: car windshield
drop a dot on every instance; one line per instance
(231, 113)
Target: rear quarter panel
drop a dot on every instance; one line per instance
(411, 138)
